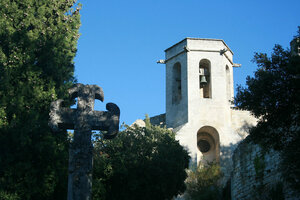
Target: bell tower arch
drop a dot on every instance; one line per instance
(204, 78)
(208, 143)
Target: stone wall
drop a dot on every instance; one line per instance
(256, 174)
(158, 120)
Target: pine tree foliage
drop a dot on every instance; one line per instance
(38, 42)
(140, 163)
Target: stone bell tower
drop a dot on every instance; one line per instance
(199, 91)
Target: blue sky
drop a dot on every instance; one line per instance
(121, 41)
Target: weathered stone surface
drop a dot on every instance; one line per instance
(256, 172)
(83, 120)
(158, 120)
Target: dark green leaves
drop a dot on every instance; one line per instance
(140, 163)
(38, 42)
(272, 95)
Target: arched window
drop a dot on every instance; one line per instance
(176, 83)
(205, 78)
(208, 143)
(228, 84)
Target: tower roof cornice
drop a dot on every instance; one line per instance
(207, 39)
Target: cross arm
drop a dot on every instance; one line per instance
(106, 120)
(60, 117)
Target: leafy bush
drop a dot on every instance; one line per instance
(6, 196)
(202, 183)
(140, 163)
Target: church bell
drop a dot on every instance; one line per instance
(203, 80)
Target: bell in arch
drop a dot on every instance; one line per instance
(203, 80)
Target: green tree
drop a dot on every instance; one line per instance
(140, 163)
(203, 183)
(272, 95)
(38, 42)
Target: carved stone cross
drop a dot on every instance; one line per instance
(83, 120)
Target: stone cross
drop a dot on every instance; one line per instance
(83, 120)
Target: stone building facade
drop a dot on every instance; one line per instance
(199, 94)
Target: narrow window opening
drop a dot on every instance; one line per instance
(228, 84)
(176, 86)
(205, 79)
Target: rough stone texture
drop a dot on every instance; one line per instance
(194, 116)
(83, 120)
(158, 120)
(138, 122)
(249, 177)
